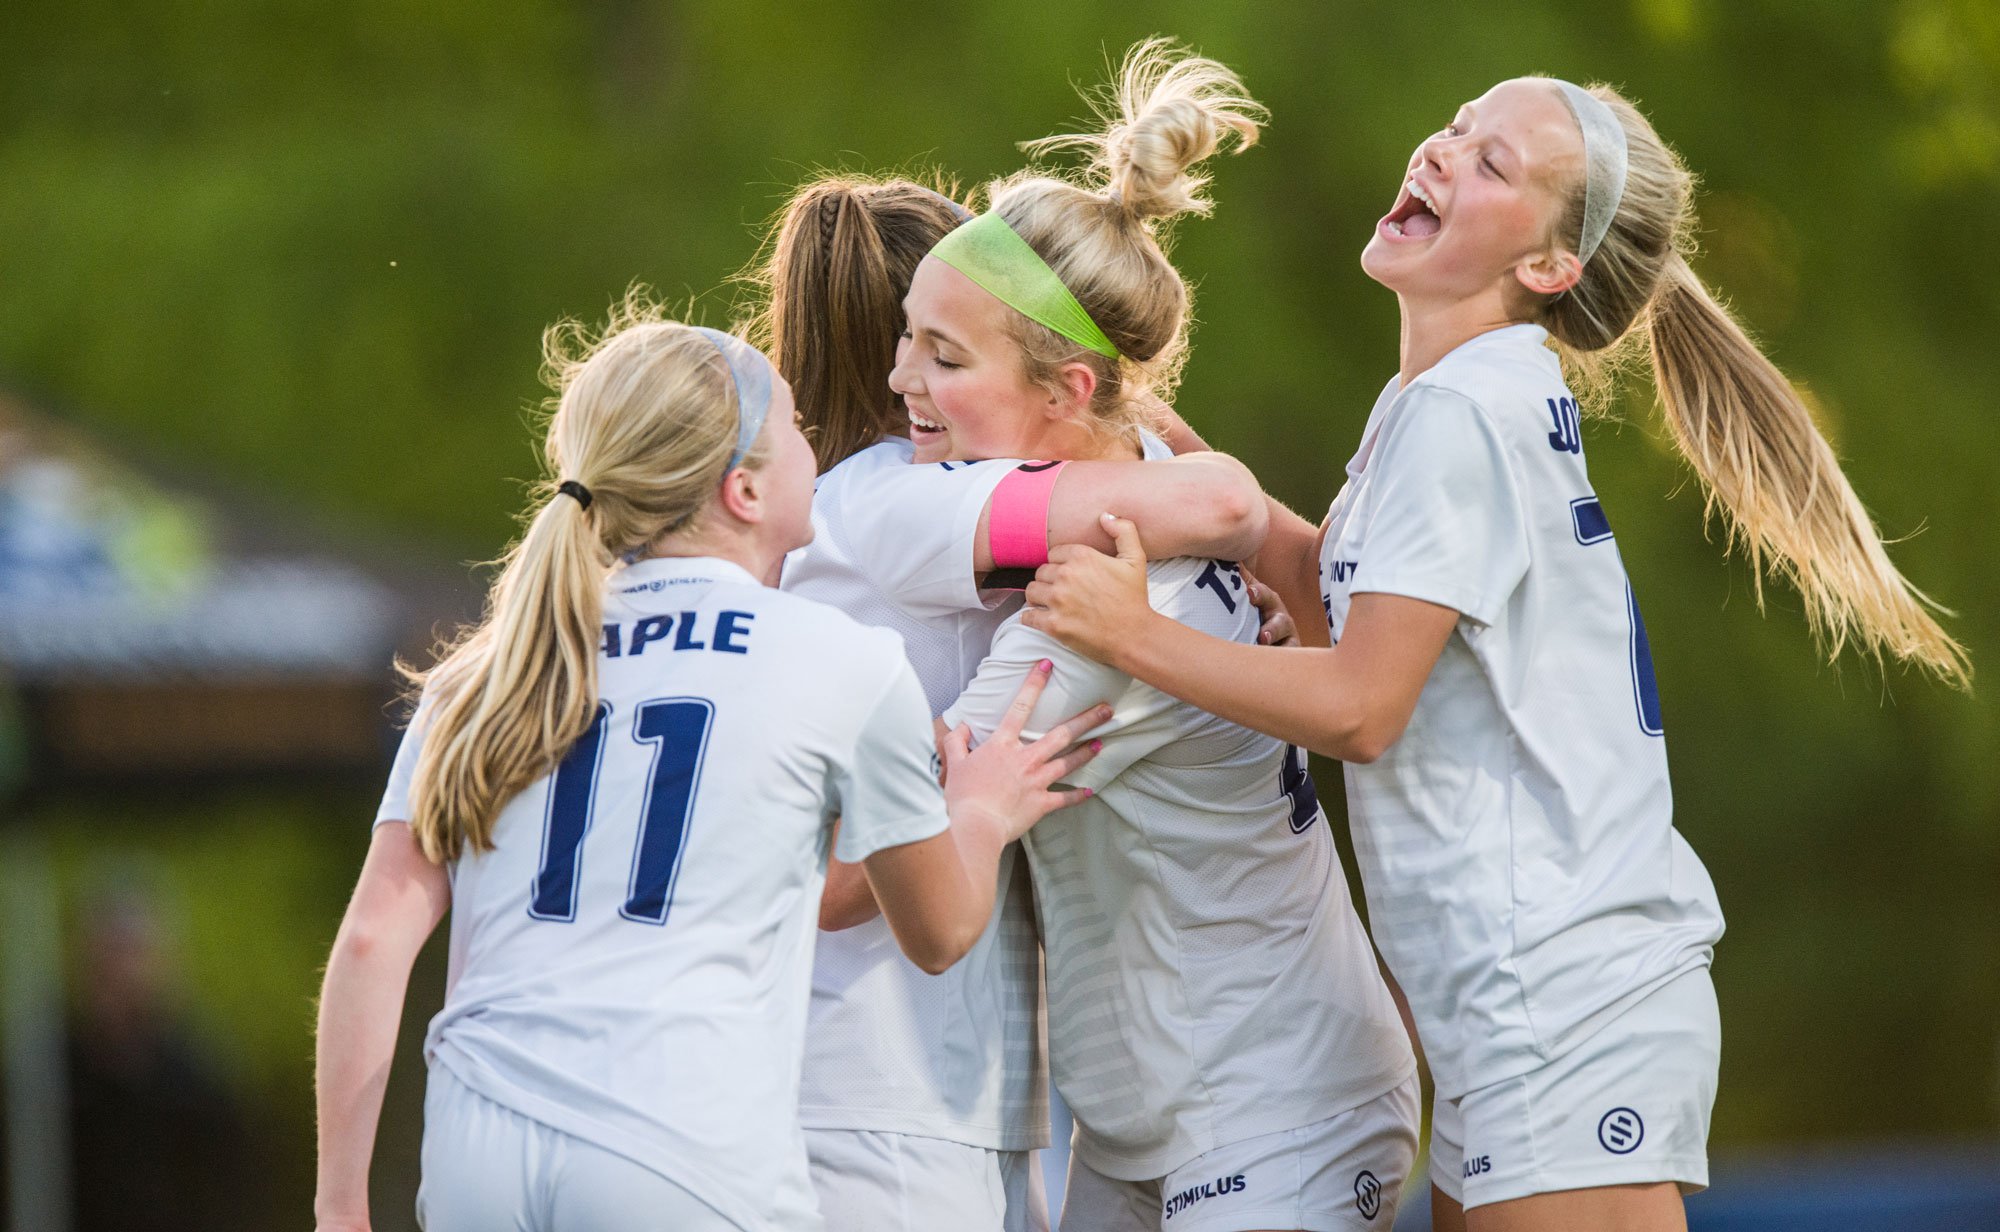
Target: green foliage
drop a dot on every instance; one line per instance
(313, 246)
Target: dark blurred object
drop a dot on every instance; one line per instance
(1891, 1188)
(144, 643)
(1947, 1188)
(161, 1143)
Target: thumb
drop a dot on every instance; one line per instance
(957, 745)
(1126, 537)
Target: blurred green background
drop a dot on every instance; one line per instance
(304, 252)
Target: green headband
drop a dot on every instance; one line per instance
(989, 252)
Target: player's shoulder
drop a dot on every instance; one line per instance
(887, 452)
(1210, 595)
(824, 631)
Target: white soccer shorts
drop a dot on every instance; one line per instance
(1343, 1174)
(486, 1166)
(870, 1181)
(1629, 1105)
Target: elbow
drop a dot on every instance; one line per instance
(358, 942)
(367, 942)
(1362, 751)
(936, 964)
(936, 955)
(1357, 733)
(1240, 515)
(1366, 741)
(837, 917)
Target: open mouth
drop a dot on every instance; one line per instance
(919, 425)
(1415, 216)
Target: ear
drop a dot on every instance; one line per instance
(1076, 384)
(1549, 273)
(742, 496)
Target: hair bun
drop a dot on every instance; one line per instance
(1169, 111)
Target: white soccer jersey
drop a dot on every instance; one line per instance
(959, 1055)
(1524, 878)
(630, 964)
(1209, 981)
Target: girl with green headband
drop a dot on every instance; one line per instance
(924, 1096)
(1491, 687)
(1218, 1024)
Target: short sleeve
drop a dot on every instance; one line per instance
(395, 804)
(1140, 721)
(911, 531)
(1443, 511)
(887, 791)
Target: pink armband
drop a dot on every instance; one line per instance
(1017, 526)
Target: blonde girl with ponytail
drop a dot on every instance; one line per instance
(1217, 1023)
(1491, 684)
(622, 783)
(924, 1097)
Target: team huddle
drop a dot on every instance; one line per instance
(832, 772)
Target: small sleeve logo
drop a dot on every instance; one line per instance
(1367, 1194)
(1621, 1131)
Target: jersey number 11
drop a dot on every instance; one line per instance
(677, 728)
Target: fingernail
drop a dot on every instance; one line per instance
(1263, 639)
(1088, 792)
(1046, 665)
(1097, 746)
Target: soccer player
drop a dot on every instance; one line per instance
(1491, 687)
(622, 783)
(924, 1096)
(1217, 1020)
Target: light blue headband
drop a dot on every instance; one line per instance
(750, 372)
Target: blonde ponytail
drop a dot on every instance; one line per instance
(1752, 440)
(1168, 113)
(645, 421)
(517, 691)
(1746, 432)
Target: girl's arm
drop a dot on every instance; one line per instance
(1289, 564)
(1195, 504)
(937, 893)
(1350, 702)
(847, 900)
(398, 902)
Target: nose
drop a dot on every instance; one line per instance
(1434, 153)
(904, 378)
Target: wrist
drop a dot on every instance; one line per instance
(346, 1213)
(1130, 653)
(981, 830)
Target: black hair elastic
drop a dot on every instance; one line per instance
(570, 487)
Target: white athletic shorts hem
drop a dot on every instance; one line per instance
(1343, 1174)
(486, 1166)
(1628, 1106)
(875, 1181)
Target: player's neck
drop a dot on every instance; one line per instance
(1433, 329)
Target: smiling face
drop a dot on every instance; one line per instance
(1478, 206)
(961, 375)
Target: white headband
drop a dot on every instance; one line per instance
(750, 374)
(1604, 159)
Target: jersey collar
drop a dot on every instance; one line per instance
(1524, 334)
(656, 571)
